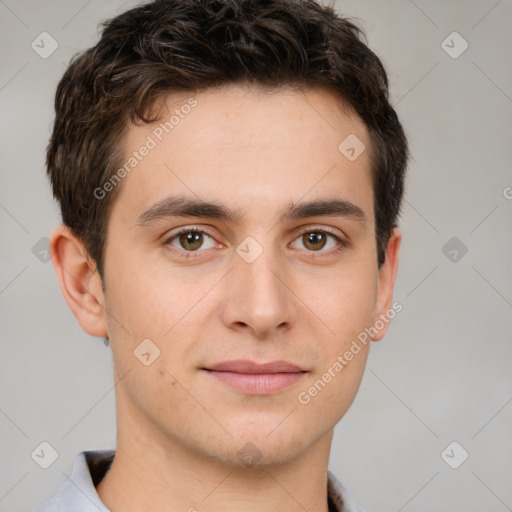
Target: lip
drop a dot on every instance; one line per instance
(257, 379)
(246, 366)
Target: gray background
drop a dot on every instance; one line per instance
(441, 374)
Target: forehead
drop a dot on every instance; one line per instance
(249, 144)
(263, 112)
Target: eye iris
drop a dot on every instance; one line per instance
(191, 240)
(313, 238)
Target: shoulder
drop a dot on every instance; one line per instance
(340, 496)
(78, 493)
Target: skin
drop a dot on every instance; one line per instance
(180, 431)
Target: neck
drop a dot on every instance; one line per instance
(151, 472)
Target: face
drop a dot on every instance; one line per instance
(247, 303)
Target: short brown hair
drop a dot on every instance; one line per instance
(151, 50)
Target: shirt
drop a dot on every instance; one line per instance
(78, 492)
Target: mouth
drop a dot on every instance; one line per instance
(256, 379)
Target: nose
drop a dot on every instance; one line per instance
(258, 297)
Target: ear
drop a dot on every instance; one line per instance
(79, 280)
(387, 276)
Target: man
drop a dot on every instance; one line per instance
(230, 174)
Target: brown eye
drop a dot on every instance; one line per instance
(320, 241)
(315, 240)
(190, 240)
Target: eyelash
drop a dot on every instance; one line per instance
(194, 254)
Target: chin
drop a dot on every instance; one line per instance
(248, 449)
(254, 455)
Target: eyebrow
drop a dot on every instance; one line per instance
(183, 206)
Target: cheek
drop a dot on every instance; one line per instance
(329, 394)
(147, 301)
(346, 307)
(141, 299)
(345, 301)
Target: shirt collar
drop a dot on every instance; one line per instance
(78, 492)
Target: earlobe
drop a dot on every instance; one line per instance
(79, 280)
(387, 277)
